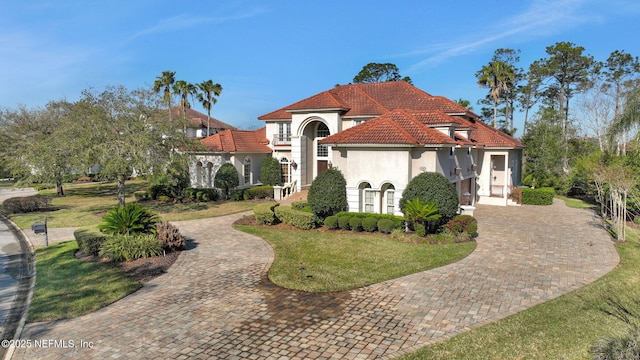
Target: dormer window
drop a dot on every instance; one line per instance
(452, 133)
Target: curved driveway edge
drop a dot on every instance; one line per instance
(215, 302)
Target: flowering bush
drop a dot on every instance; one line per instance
(461, 224)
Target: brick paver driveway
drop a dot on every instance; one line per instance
(215, 302)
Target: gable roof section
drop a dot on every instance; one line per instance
(398, 127)
(244, 141)
(199, 120)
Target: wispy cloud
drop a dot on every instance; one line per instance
(185, 21)
(542, 18)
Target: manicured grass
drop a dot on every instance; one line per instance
(336, 261)
(85, 204)
(67, 287)
(576, 203)
(563, 328)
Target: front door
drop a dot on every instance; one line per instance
(322, 166)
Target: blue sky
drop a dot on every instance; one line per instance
(267, 55)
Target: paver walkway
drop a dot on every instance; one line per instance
(215, 302)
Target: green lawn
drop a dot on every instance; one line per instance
(576, 203)
(336, 261)
(84, 205)
(563, 328)
(67, 287)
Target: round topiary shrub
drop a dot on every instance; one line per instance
(433, 187)
(355, 223)
(331, 222)
(227, 178)
(370, 224)
(328, 193)
(385, 226)
(343, 222)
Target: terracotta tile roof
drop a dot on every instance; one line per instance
(397, 127)
(402, 114)
(245, 141)
(491, 137)
(370, 99)
(199, 120)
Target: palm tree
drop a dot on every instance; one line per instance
(206, 97)
(184, 89)
(498, 76)
(164, 83)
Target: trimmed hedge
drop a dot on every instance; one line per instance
(299, 205)
(300, 219)
(398, 221)
(386, 226)
(89, 240)
(26, 204)
(343, 222)
(265, 213)
(539, 196)
(258, 192)
(331, 222)
(355, 223)
(370, 224)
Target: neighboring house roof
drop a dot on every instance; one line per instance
(244, 141)
(198, 120)
(370, 100)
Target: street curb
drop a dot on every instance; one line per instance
(31, 267)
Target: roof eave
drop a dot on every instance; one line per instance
(293, 111)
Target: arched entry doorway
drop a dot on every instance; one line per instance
(315, 155)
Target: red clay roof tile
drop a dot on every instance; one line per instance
(238, 141)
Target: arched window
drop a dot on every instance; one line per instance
(246, 170)
(322, 132)
(367, 198)
(388, 199)
(199, 174)
(285, 170)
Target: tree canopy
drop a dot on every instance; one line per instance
(376, 72)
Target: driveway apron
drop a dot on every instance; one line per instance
(216, 302)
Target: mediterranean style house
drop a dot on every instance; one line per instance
(380, 136)
(197, 123)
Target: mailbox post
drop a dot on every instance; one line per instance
(41, 228)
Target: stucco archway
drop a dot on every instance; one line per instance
(314, 156)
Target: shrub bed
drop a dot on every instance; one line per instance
(463, 224)
(398, 221)
(265, 213)
(26, 204)
(258, 192)
(170, 237)
(89, 240)
(131, 247)
(300, 219)
(539, 196)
